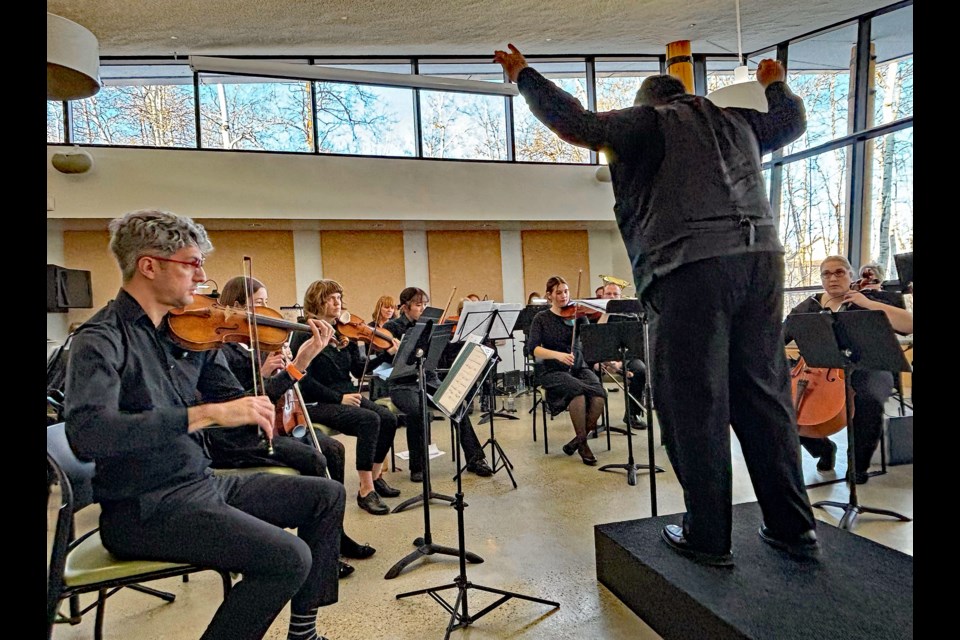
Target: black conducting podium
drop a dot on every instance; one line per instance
(849, 340)
(464, 380)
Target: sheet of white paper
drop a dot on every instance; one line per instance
(434, 452)
(383, 371)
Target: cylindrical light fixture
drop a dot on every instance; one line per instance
(744, 92)
(73, 60)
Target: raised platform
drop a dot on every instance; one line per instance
(858, 588)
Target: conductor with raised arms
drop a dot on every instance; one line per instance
(692, 208)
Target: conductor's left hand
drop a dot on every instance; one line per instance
(513, 63)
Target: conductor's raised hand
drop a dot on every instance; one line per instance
(769, 71)
(513, 62)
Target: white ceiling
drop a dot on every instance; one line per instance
(445, 27)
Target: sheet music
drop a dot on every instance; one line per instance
(463, 374)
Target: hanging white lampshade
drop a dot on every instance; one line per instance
(73, 60)
(743, 92)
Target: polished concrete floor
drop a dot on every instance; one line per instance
(536, 540)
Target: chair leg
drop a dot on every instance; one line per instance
(543, 413)
(163, 595)
(101, 606)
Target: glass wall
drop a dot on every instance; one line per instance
(141, 104)
(534, 142)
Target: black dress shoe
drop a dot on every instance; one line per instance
(861, 477)
(345, 569)
(416, 476)
(480, 467)
(384, 490)
(828, 460)
(586, 455)
(350, 549)
(371, 504)
(672, 534)
(571, 447)
(804, 546)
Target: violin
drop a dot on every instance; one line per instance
(819, 397)
(576, 310)
(204, 324)
(291, 417)
(353, 327)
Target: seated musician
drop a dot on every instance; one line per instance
(136, 399)
(636, 370)
(242, 446)
(383, 312)
(570, 384)
(338, 402)
(405, 395)
(871, 389)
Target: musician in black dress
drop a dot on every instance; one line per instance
(871, 389)
(569, 383)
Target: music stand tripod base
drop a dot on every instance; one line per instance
(460, 615)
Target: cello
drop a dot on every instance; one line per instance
(819, 398)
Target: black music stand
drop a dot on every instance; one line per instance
(490, 324)
(851, 340)
(524, 320)
(459, 611)
(620, 341)
(412, 353)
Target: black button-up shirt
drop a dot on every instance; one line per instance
(127, 393)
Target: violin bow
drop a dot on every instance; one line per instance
(573, 334)
(447, 308)
(258, 388)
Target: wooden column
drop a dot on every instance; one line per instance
(680, 63)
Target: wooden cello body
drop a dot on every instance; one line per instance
(819, 397)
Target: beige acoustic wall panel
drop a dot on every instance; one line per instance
(368, 264)
(556, 253)
(272, 257)
(467, 260)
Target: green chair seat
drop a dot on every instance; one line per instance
(90, 563)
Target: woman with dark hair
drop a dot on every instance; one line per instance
(569, 383)
(340, 405)
(241, 446)
(405, 394)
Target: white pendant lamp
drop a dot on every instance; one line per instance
(73, 60)
(743, 92)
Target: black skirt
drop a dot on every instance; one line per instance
(562, 387)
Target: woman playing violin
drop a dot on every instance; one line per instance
(241, 447)
(340, 405)
(569, 383)
(871, 388)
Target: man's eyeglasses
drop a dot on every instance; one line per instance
(196, 263)
(839, 273)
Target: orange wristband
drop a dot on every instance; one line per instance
(295, 373)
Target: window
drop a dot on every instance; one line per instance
(892, 82)
(888, 214)
(618, 80)
(534, 142)
(813, 211)
(54, 121)
(140, 104)
(462, 125)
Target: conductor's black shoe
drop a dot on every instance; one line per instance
(416, 476)
(371, 504)
(345, 569)
(672, 534)
(804, 546)
(384, 490)
(480, 467)
(829, 459)
(349, 548)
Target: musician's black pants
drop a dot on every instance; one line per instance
(718, 361)
(237, 523)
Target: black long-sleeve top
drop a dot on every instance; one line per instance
(550, 331)
(127, 392)
(686, 175)
(329, 374)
